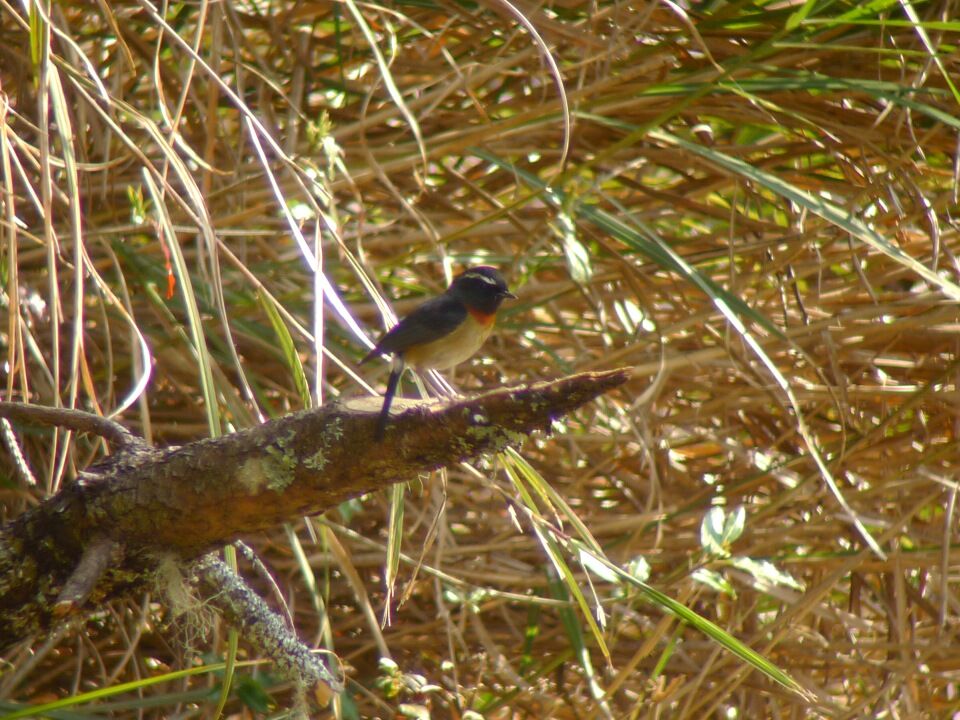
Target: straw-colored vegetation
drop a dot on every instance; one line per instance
(756, 211)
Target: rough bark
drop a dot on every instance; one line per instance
(106, 535)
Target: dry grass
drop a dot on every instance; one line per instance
(144, 143)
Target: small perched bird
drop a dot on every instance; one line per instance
(444, 331)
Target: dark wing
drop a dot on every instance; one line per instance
(437, 317)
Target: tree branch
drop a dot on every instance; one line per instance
(185, 501)
(78, 420)
(260, 626)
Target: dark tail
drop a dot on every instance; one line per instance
(392, 383)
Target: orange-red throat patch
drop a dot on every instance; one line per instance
(483, 318)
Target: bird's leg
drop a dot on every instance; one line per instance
(395, 372)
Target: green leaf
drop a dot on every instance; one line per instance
(714, 580)
(767, 574)
(719, 531)
(711, 532)
(252, 694)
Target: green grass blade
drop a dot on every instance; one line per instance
(568, 619)
(546, 491)
(825, 209)
(550, 543)
(289, 349)
(394, 545)
(651, 248)
(105, 692)
(708, 628)
(194, 321)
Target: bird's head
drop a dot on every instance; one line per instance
(481, 289)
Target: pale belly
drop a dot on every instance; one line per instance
(450, 350)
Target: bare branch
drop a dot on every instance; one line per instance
(85, 577)
(261, 627)
(78, 420)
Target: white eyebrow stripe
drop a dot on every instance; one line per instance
(489, 281)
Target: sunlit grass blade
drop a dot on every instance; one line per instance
(572, 628)
(194, 321)
(233, 646)
(708, 628)
(64, 126)
(120, 688)
(208, 387)
(387, 78)
(820, 206)
(622, 231)
(598, 563)
(547, 492)
(920, 28)
(394, 546)
(551, 546)
(289, 349)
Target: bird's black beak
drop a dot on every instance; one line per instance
(507, 294)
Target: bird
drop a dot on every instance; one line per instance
(443, 331)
